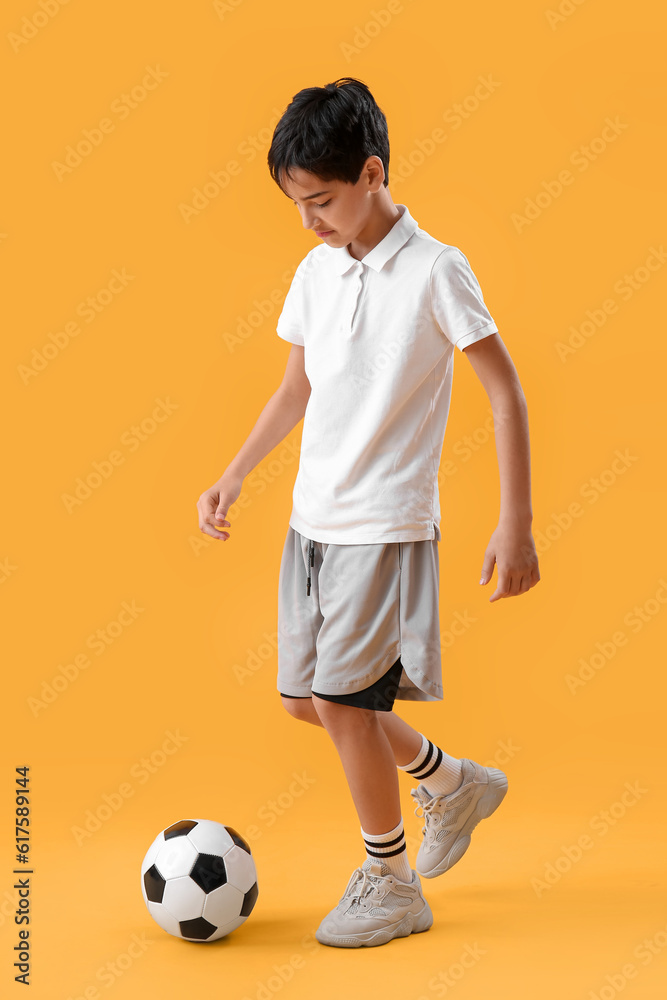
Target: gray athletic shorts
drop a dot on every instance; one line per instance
(364, 608)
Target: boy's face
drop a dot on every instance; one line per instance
(339, 211)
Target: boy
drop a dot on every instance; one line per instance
(373, 315)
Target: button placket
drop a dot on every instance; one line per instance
(355, 293)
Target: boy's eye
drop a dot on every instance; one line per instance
(324, 205)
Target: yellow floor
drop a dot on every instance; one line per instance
(524, 913)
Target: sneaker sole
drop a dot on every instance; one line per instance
(486, 805)
(410, 924)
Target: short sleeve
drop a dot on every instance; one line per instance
(457, 302)
(290, 322)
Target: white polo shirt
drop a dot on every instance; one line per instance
(378, 337)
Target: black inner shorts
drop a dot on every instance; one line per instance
(379, 697)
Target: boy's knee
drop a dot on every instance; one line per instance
(336, 711)
(298, 708)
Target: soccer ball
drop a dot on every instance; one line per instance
(199, 880)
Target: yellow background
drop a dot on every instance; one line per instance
(176, 332)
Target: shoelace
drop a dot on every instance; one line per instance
(367, 884)
(427, 807)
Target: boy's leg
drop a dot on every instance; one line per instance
(405, 741)
(368, 760)
(383, 898)
(406, 744)
(370, 769)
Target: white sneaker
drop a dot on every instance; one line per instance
(450, 819)
(375, 907)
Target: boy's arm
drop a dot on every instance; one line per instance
(511, 546)
(280, 415)
(283, 411)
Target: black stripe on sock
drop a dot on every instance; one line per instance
(435, 766)
(387, 843)
(427, 758)
(387, 854)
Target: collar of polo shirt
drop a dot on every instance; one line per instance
(376, 258)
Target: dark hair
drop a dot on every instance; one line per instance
(330, 131)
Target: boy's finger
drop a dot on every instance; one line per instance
(213, 532)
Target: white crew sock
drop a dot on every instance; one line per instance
(435, 769)
(391, 848)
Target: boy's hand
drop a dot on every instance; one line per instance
(512, 549)
(214, 503)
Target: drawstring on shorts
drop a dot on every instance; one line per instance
(311, 562)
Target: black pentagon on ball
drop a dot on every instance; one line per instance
(180, 829)
(249, 901)
(154, 885)
(198, 928)
(209, 872)
(238, 839)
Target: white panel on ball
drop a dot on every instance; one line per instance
(210, 837)
(152, 853)
(183, 898)
(164, 918)
(223, 904)
(227, 928)
(176, 857)
(240, 867)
